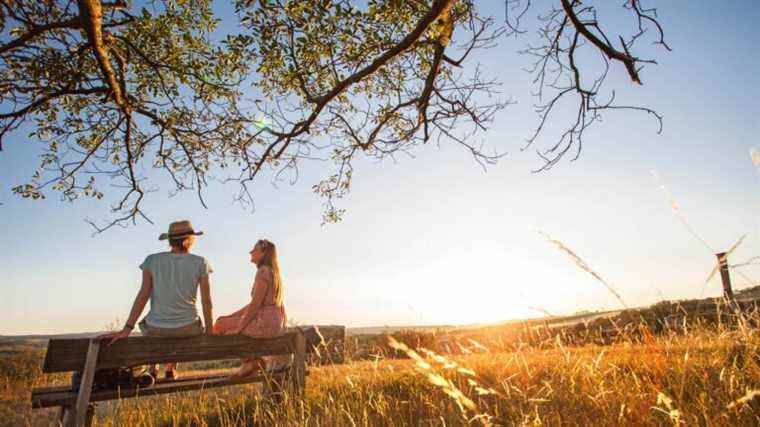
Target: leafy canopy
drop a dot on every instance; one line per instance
(112, 89)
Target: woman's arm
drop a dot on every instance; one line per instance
(260, 286)
(137, 308)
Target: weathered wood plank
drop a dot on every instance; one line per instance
(40, 391)
(68, 397)
(69, 354)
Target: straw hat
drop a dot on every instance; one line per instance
(179, 229)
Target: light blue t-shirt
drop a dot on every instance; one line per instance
(175, 288)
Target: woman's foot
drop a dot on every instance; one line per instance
(249, 369)
(245, 371)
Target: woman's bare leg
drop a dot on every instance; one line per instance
(226, 323)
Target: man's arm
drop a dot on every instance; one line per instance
(137, 308)
(208, 317)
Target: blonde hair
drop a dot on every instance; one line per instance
(183, 243)
(270, 260)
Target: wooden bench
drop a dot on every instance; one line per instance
(87, 356)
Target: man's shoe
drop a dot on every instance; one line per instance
(152, 371)
(144, 379)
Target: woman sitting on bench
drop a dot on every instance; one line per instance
(264, 316)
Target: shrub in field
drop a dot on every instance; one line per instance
(23, 365)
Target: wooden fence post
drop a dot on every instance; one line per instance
(728, 293)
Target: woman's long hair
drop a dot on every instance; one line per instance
(270, 260)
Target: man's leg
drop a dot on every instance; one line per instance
(170, 369)
(192, 330)
(147, 331)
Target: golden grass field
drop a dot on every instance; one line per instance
(701, 374)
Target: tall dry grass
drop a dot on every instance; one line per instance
(704, 375)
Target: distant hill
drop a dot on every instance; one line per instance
(17, 343)
(747, 294)
(377, 330)
(368, 330)
(47, 337)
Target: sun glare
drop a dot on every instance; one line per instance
(481, 286)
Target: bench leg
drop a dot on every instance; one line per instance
(83, 411)
(90, 415)
(62, 414)
(291, 382)
(271, 389)
(67, 415)
(298, 371)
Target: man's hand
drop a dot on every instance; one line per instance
(112, 337)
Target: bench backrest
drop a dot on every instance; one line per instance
(65, 355)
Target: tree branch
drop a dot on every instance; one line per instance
(39, 30)
(91, 13)
(612, 53)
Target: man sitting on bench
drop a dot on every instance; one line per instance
(170, 280)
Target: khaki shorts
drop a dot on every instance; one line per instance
(191, 330)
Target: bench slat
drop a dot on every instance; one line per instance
(65, 355)
(39, 391)
(49, 397)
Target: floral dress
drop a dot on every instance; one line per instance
(270, 318)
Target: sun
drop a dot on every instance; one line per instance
(481, 286)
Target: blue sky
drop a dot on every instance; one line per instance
(434, 239)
